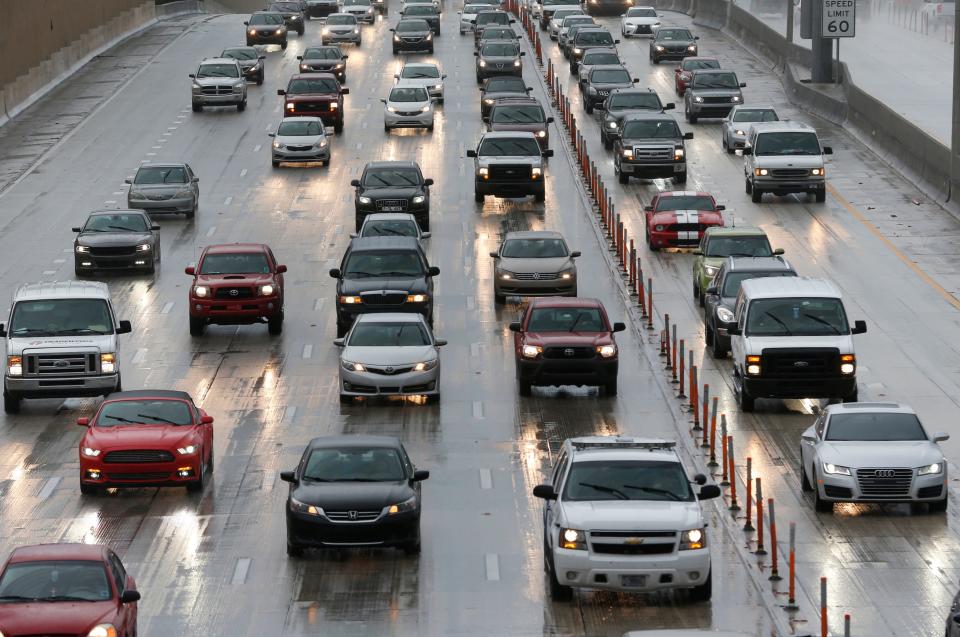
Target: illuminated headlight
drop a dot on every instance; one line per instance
(396, 38)
(577, 51)
(302, 507)
(760, 172)
(339, 66)
(279, 31)
(735, 99)
(531, 351)
(90, 452)
(253, 31)
(189, 450)
(835, 469)
(356, 31)
(660, 48)
(611, 124)
(541, 134)
(352, 367)
(144, 247)
(108, 363)
(403, 507)
(484, 172)
(483, 63)
(848, 364)
(425, 109)
(488, 101)
(930, 469)
(351, 300)
(607, 351)
(566, 275)
(304, 67)
(426, 366)
(504, 275)
(692, 47)
(693, 539)
(516, 62)
(83, 249)
(201, 291)
(628, 153)
(724, 315)
(698, 99)
(817, 172)
(289, 106)
(103, 630)
(419, 199)
(739, 132)
(437, 87)
(325, 31)
(536, 172)
(678, 153)
(364, 200)
(753, 365)
(266, 290)
(429, 36)
(710, 270)
(573, 539)
(418, 298)
(391, 109)
(334, 106)
(14, 365)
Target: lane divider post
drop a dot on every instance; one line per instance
(650, 303)
(713, 440)
(641, 290)
(792, 588)
(748, 525)
(823, 607)
(682, 370)
(760, 548)
(673, 360)
(633, 269)
(706, 407)
(733, 477)
(693, 405)
(666, 323)
(774, 572)
(724, 478)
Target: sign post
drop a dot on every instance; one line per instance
(839, 20)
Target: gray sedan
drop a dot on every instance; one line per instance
(300, 139)
(736, 125)
(534, 263)
(168, 188)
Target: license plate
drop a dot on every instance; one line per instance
(637, 581)
(392, 209)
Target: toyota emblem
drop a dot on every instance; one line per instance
(352, 515)
(234, 292)
(801, 364)
(569, 351)
(389, 370)
(884, 473)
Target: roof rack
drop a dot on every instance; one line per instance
(622, 442)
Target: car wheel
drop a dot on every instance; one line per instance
(703, 592)
(692, 118)
(718, 350)
(275, 163)
(478, 196)
(696, 290)
(300, 31)
(607, 143)
(190, 214)
(540, 197)
(386, 128)
(756, 194)
(680, 178)
(747, 186)
(283, 46)
(294, 550)
(430, 128)
(610, 389)
(587, 106)
(413, 547)
(197, 326)
(198, 108)
(558, 592)
(260, 80)
(275, 325)
(746, 400)
(430, 50)
(940, 506)
(11, 403)
(707, 334)
(395, 51)
(499, 299)
(338, 126)
(804, 481)
(152, 268)
(89, 489)
(821, 194)
(197, 485)
(242, 106)
(821, 505)
(524, 387)
(342, 329)
(622, 177)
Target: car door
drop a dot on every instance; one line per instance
(550, 510)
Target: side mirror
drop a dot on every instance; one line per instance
(696, 37)
(669, 106)
(549, 120)
(190, 270)
(354, 235)
(523, 53)
(126, 328)
(529, 88)
(425, 235)
(281, 269)
(280, 91)
(709, 492)
(443, 77)
(700, 479)
(476, 54)
(513, 22)
(544, 491)
(262, 57)
(778, 252)
(75, 229)
(733, 330)
(828, 150)
(355, 183)
(206, 420)
(440, 342)
(334, 273)
(83, 422)
(419, 475)
(688, 135)
(941, 436)
(271, 134)
(433, 271)
(743, 85)
(129, 597)
(300, 57)
(648, 208)
(721, 207)
(192, 75)
(548, 153)
(616, 41)
(712, 290)
(746, 150)
(428, 182)
(471, 153)
(636, 79)
(383, 100)
(495, 255)
(515, 327)
(128, 180)
(393, 30)
(287, 476)
(338, 342)
(345, 57)
(396, 76)
(859, 327)
(619, 327)
(575, 254)
(154, 227)
(3, 330)
(195, 180)
(808, 438)
(344, 90)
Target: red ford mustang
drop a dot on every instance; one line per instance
(150, 438)
(67, 589)
(679, 219)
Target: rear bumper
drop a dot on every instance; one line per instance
(61, 386)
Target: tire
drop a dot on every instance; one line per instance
(152, 268)
(622, 177)
(338, 126)
(386, 128)
(300, 31)
(430, 128)
(610, 389)
(275, 163)
(478, 197)
(294, 550)
(242, 106)
(499, 299)
(940, 506)
(198, 108)
(852, 397)
(747, 186)
(275, 326)
(696, 290)
(558, 592)
(821, 195)
(283, 47)
(756, 195)
(260, 80)
(395, 51)
(716, 349)
(703, 592)
(821, 506)
(413, 547)
(524, 387)
(804, 481)
(692, 118)
(430, 50)
(479, 79)
(680, 178)
(89, 489)
(11, 403)
(197, 485)
(190, 214)
(540, 197)
(197, 326)
(745, 400)
(607, 143)
(119, 386)
(587, 106)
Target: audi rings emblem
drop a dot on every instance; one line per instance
(884, 473)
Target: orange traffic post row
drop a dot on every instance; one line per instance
(666, 327)
(713, 438)
(632, 280)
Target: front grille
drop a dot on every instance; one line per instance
(641, 153)
(536, 276)
(632, 549)
(120, 251)
(299, 148)
(352, 516)
(408, 113)
(61, 364)
(814, 363)
(510, 172)
(714, 99)
(138, 455)
(789, 173)
(233, 293)
(393, 205)
(217, 90)
(688, 227)
(392, 371)
(310, 107)
(383, 298)
(412, 40)
(670, 534)
(884, 483)
(153, 476)
(569, 352)
(643, 28)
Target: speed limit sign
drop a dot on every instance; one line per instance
(839, 18)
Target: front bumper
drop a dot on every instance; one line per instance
(388, 530)
(583, 569)
(140, 474)
(840, 488)
(556, 372)
(53, 386)
(219, 100)
(710, 110)
(672, 55)
(236, 311)
(536, 287)
(139, 260)
(350, 36)
(420, 211)
(425, 44)
(408, 384)
(638, 29)
(185, 204)
(787, 186)
(675, 238)
(664, 169)
(417, 120)
(317, 154)
(491, 70)
(824, 387)
(510, 189)
(271, 38)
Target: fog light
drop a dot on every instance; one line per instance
(86, 264)
(571, 575)
(140, 262)
(93, 474)
(693, 575)
(185, 472)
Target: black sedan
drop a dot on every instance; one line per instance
(354, 491)
(116, 240)
(412, 34)
(250, 60)
(294, 14)
(324, 59)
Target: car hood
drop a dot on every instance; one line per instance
(159, 189)
(61, 344)
(247, 64)
(99, 239)
(358, 286)
(138, 437)
(572, 339)
(790, 161)
(641, 20)
(391, 192)
(498, 59)
(313, 97)
(632, 515)
(617, 114)
(389, 355)
(233, 279)
(858, 453)
(527, 265)
(688, 216)
(843, 343)
(353, 496)
(299, 140)
(217, 81)
(714, 92)
(494, 95)
(606, 86)
(42, 618)
(406, 107)
(653, 141)
(427, 82)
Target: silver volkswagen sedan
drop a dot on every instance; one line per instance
(164, 188)
(389, 354)
(300, 139)
(534, 263)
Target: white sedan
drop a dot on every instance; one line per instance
(639, 21)
(408, 107)
(422, 74)
(872, 452)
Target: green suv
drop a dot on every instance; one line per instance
(717, 244)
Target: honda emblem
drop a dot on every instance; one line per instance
(352, 515)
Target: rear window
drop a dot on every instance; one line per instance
(504, 84)
(756, 115)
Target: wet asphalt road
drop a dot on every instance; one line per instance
(215, 563)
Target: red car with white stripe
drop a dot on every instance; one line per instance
(679, 219)
(684, 71)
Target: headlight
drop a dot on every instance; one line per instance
(183, 192)
(531, 351)
(266, 290)
(144, 247)
(290, 106)
(577, 51)
(488, 101)
(724, 315)
(302, 507)
(391, 109)
(136, 194)
(735, 99)
(698, 99)
(482, 63)
(418, 298)
(611, 124)
(848, 364)
(356, 31)
(279, 31)
(396, 38)
(403, 507)
(426, 366)
(817, 172)
(352, 367)
(607, 351)
(14, 365)
(760, 172)
(692, 47)
(568, 274)
(573, 539)
(325, 31)
(484, 172)
(930, 469)
(678, 153)
(835, 469)
(253, 31)
(83, 249)
(430, 36)
(189, 450)
(536, 172)
(90, 452)
(659, 48)
(628, 153)
(739, 132)
(334, 106)
(710, 270)
(304, 67)
(201, 291)
(437, 87)
(322, 143)
(504, 275)
(351, 300)
(541, 134)
(339, 66)
(425, 109)
(237, 88)
(516, 62)
(108, 363)
(364, 200)
(419, 199)
(693, 539)
(103, 630)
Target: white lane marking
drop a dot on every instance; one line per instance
(460, 169)
(493, 567)
(171, 128)
(211, 231)
(359, 145)
(257, 148)
(166, 308)
(162, 141)
(139, 356)
(240, 571)
(269, 126)
(363, 124)
(318, 305)
(478, 409)
(307, 351)
(119, 192)
(151, 154)
(49, 272)
(243, 173)
(110, 201)
(167, 134)
(48, 487)
(486, 479)
(158, 147)
(289, 413)
(226, 202)
(59, 260)
(474, 350)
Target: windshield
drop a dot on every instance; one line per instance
(341, 19)
(686, 202)
(239, 263)
(569, 21)
(731, 284)
(352, 3)
(292, 7)
(475, 8)
(112, 223)
(406, 334)
(390, 228)
(674, 34)
(610, 76)
(506, 84)
(745, 246)
(562, 3)
(875, 426)
(298, 129)
(218, 70)
(378, 263)
(302, 86)
(531, 114)
(756, 115)
(562, 14)
(651, 129)
(493, 18)
(329, 53)
(391, 177)
(594, 37)
(266, 18)
(787, 144)
(509, 148)
(796, 317)
(409, 94)
(694, 65)
(500, 49)
(62, 580)
(416, 72)
(641, 12)
(61, 317)
(410, 26)
(566, 319)
(420, 9)
(635, 100)
(241, 54)
(354, 464)
(161, 175)
(715, 80)
(144, 412)
(627, 480)
(534, 248)
(600, 57)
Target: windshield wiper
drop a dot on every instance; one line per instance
(78, 330)
(823, 322)
(68, 598)
(124, 228)
(398, 273)
(782, 324)
(599, 487)
(18, 598)
(670, 494)
(31, 330)
(312, 479)
(358, 274)
(575, 322)
(163, 420)
(120, 419)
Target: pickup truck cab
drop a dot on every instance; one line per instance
(317, 95)
(784, 157)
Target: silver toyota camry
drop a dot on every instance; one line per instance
(164, 188)
(389, 354)
(736, 125)
(534, 263)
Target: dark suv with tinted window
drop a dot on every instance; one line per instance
(393, 186)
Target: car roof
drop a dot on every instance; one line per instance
(313, 76)
(876, 408)
(395, 317)
(354, 441)
(233, 248)
(564, 301)
(633, 89)
(384, 243)
(217, 60)
(60, 551)
(119, 211)
(587, 448)
(758, 264)
(779, 287)
(301, 118)
(61, 290)
(533, 234)
(782, 126)
(340, 13)
(389, 216)
(149, 393)
(398, 163)
(735, 231)
(509, 134)
(754, 107)
(700, 58)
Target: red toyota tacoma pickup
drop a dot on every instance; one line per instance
(566, 341)
(315, 95)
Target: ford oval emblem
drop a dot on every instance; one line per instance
(801, 364)
(62, 363)
(569, 351)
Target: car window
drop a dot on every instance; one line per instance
(600, 57)
(493, 18)
(508, 148)
(327, 53)
(341, 20)
(755, 115)
(160, 175)
(820, 424)
(506, 84)
(534, 248)
(743, 246)
(610, 76)
(266, 18)
(558, 470)
(417, 72)
(241, 54)
(119, 573)
(651, 129)
(405, 334)
(635, 101)
(627, 480)
(877, 426)
(375, 263)
(594, 37)
(566, 319)
(411, 26)
(60, 580)
(116, 223)
(798, 143)
(236, 263)
(500, 49)
(641, 12)
(674, 34)
(685, 202)
(391, 177)
(300, 128)
(305, 86)
(352, 464)
(390, 228)
(498, 33)
(733, 281)
(143, 412)
(61, 317)
(217, 70)
(714, 80)
(474, 8)
(521, 114)
(797, 317)
(409, 94)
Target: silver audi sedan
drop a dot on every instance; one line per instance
(534, 263)
(389, 354)
(164, 188)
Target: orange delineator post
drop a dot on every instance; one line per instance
(706, 411)
(823, 607)
(682, 370)
(650, 303)
(760, 549)
(733, 476)
(694, 395)
(774, 573)
(641, 295)
(673, 358)
(748, 525)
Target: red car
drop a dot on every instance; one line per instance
(679, 219)
(148, 438)
(683, 73)
(566, 341)
(236, 284)
(315, 95)
(67, 589)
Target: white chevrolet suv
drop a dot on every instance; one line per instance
(622, 515)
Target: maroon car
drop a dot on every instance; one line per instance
(683, 73)
(67, 589)
(236, 284)
(315, 95)
(566, 341)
